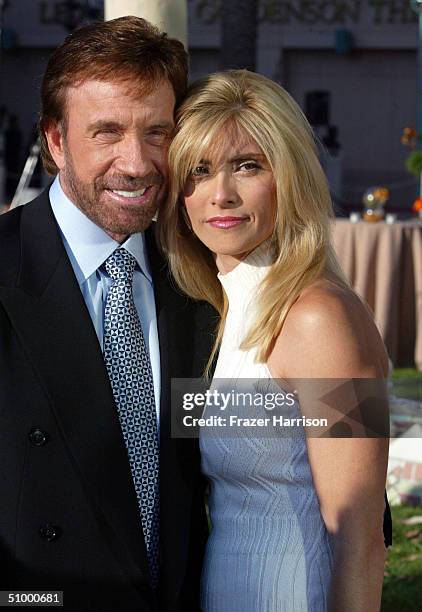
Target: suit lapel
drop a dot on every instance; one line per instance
(48, 312)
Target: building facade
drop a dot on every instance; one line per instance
(350, 64)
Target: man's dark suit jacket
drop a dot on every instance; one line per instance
(69, 517)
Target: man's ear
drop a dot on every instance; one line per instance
(54, 134)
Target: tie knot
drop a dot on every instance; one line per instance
(120, 265)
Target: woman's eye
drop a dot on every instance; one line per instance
(159, 136)
(199, 171)
(249, 165)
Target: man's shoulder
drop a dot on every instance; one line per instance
(10, 245)
(10, 221)
(11, 237)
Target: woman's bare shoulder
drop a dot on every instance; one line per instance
(329, 332)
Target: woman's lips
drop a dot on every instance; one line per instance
(226, 222)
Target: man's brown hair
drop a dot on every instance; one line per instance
(129, 49)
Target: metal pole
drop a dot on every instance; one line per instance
(171, 16)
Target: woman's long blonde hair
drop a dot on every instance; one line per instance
(257, 106)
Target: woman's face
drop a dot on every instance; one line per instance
(230, 200)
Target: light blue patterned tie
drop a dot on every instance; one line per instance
(129, 370)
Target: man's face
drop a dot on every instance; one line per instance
(112, 152)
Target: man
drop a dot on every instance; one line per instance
(97, 500)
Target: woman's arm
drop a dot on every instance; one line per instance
(329, 334)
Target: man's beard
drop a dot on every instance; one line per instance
(87, 197)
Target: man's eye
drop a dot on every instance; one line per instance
(158, 136)
(107, 132)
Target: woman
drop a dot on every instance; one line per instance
(296, 519)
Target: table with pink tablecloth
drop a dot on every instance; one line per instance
(383, 262)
